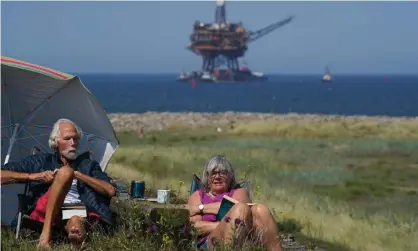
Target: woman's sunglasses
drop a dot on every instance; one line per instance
(222, 173)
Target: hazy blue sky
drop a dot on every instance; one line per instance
(351, 37)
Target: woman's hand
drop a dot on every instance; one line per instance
(205, 226)
(196, 218)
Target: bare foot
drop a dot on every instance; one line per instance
(44, 243)
(76, 235)
(75, 230)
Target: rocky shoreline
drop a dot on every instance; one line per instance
(155, 121)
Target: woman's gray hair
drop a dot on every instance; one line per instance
(55, 133)
(223, 164)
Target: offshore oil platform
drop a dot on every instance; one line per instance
(221, 44)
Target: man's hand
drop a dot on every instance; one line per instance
(46, 176)
(98, 185)
(77, 175)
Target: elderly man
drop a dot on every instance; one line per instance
(63, 176)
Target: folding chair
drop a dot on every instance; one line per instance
(23, 219)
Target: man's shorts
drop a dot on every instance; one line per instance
(39, 212)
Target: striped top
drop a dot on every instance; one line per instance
(35, 68)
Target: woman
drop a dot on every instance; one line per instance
(218, 179)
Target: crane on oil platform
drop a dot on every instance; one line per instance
(221, 44)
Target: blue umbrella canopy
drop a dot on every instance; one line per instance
(32, 99)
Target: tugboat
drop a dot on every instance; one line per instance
(327, 78)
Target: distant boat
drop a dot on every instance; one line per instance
(327, 78)
(182, 76)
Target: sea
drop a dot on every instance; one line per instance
(373, 95)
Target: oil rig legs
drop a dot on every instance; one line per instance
(210, 63)
(218, 67)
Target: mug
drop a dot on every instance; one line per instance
(137, 189)
(163, 196)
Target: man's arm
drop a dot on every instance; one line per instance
(99, 181)
(24, 170)
(9, 177)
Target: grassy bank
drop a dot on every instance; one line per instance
(358, 192)
(339, 185)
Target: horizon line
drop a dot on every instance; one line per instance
(267, 73)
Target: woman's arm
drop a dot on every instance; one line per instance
(195, 216)
(240, 195)
(194, 202)
(195, 219)
(203, 227)
(212, 208)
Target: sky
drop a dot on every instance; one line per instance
(151, 37)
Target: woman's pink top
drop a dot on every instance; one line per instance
(207, 199)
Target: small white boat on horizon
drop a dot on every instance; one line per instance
(327, 78)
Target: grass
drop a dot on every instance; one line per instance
(333, 184)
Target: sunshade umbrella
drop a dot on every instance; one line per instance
(32, 99)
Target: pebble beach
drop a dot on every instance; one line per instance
(156, 121)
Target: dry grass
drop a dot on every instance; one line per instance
(332, 128)
(325, 221)
(338, 224)
(322, 219)
(285, 125)
(290, 161)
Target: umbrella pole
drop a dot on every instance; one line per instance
(12, 141)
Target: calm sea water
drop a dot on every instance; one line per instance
(347, 95)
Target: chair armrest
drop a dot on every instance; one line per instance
(246, 186)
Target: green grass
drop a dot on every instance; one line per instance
(365, 179)
(351, 189)
(345, 170)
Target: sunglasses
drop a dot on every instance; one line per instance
(222, 173)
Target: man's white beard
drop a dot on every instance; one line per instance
(69, 154)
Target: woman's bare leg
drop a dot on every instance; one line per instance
(265, 227)
(228, 229)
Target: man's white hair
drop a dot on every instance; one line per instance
(53, 137)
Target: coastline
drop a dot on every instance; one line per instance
(157, 121)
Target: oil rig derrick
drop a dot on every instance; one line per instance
(221, 44)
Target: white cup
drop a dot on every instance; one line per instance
(163, 196)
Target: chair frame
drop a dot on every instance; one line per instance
(21, 206)
(22, 203)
